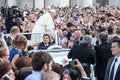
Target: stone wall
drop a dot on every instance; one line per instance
(103, 2)
(39, 3)
(61, 3)
(11, 2)
(83, 3)
(48, 3)
(87, 3)
(2, 2)
(114, 2)
(64, 3)
(22, 3)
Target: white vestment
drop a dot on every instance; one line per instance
(43, 24)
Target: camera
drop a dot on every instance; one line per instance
(11, 12)
(72, 62)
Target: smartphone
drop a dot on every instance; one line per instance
(72, 62)
(0, 34)
(5, 77)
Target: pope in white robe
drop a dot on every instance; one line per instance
(43, 24)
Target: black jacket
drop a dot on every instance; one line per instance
(85, 54)
(103, 53)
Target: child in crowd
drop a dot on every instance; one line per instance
(18, 44)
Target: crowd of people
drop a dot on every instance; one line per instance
(92, 34)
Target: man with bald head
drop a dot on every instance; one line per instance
(77, 37)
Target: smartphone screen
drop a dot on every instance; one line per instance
(0, 34)
(71, 62)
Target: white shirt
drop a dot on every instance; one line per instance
(93, 42)
(116, 66)
(44, 24)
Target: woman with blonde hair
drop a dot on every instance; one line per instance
(18, 44)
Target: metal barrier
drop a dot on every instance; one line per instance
(38, 37)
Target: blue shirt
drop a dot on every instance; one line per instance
(13, 52)
(34, 76)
